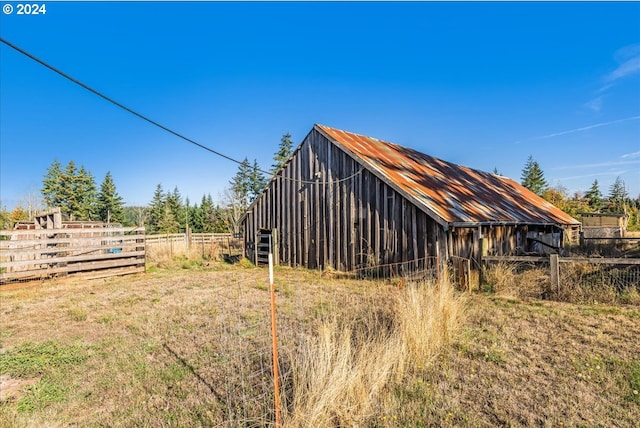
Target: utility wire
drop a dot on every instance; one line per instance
(151, 121)
(111, 100)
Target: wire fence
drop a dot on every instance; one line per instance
(619, 274)
(226, 344)
(570, 279)
(456, 270)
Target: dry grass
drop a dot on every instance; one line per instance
(172, 255)
(341, 374)
(512, 280)
(191, 347)
(580, 283)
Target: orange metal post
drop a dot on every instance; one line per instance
(274, 343)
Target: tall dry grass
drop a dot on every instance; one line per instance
(579, 283)
(166, 255)
(339, 375)
(512, 280)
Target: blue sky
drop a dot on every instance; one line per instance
(479, 84)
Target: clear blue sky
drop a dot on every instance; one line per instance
(479, 84)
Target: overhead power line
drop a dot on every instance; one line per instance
(112, 101)
(145, 118)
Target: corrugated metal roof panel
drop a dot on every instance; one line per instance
(455, 193)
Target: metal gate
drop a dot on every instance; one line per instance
(265, 244)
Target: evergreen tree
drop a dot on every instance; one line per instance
(71, 189)
(86, 192)
(52, 185)
(533, 177)
(69, 199)
(204, 214)
(178, 218)
(240, 190)
(618, 196)
(196, 217)
(594, 196)
(168, 223)
(110, 204)
(285, 150)
(257, 182)
(218, 222)
(156, 210)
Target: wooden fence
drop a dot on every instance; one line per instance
(27, 255)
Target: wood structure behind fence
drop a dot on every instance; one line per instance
(27, 255)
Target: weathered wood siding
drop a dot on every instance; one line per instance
(329, 211)
(27, 255)
(503, 240)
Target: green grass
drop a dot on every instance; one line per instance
(35, 359)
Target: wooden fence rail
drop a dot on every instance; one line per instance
(27, 255)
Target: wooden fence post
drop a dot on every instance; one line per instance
(555, 272)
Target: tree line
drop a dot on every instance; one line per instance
(74, 190)
(593, 200)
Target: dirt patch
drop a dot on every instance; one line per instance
(13, 389)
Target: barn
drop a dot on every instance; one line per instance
(343, 200)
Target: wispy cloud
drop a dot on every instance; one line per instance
(609, 164)
(632, 155)
(629, 63)
(616, 173)
(595, 104)
(628, 59)
(585, 128)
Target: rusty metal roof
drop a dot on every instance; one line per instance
(455, 193)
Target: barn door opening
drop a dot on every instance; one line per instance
(266, 243)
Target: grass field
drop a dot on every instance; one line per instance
(190, 345)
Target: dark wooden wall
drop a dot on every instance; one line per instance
(329, 211)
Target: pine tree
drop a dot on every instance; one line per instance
(168, 223)
(240, 190)
(205, 214)
(594, 196)
(156, 210)
(71, 189)
(285, 150)
(533, 177)
(86, 192)
(257, 182)
(110, 204)
(174, 203)
(618, 196)
(52, 185)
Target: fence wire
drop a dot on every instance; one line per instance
(592, 275)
